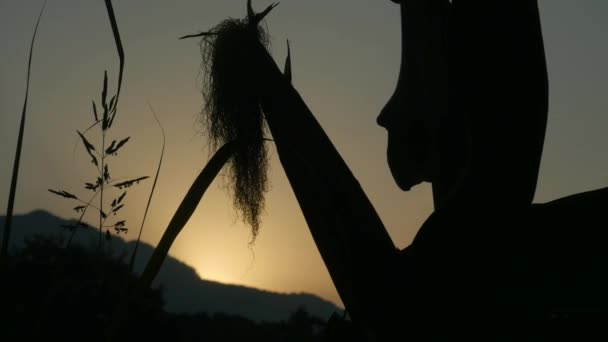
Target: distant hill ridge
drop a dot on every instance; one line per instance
(184, 290)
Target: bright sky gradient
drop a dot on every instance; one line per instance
(345, 64)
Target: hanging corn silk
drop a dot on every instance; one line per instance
(231, 111)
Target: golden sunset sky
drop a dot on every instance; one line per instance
(345, 56)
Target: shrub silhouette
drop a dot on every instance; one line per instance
(67, 294)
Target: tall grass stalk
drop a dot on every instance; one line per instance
(99, 158)
(160, 162)
(13, 189)
(121, 66)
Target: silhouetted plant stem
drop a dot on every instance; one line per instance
(84, 210)
(185, 211)
(110, 119)
(121, 60)
(103, 120)
(103, 181)
(160, 162)
(177, 223)
(13, 189)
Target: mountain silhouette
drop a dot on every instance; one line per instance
(184, 291)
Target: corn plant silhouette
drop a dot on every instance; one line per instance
(11, 198)
(231, 111)
(235, 125)
(242, 80)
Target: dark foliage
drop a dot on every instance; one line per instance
(67, 294)
(299, 327)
